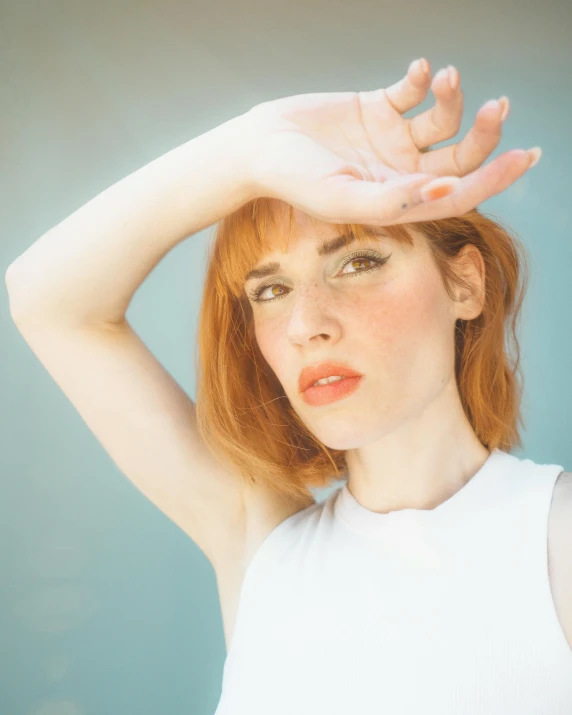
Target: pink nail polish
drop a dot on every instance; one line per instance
(440, 188)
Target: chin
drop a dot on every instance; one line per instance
(341, 436)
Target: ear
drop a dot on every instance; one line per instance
(470, 297)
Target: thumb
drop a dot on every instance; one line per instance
(385, 202)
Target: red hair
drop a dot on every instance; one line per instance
(243, 414)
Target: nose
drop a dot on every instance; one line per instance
(313, 318)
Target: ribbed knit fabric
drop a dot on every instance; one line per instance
(344, 611)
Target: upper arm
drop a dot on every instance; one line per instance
(146, 423)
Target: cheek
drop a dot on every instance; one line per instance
(406, 322)
(401, 325)
(270, 337)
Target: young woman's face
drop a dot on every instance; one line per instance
(394, 324)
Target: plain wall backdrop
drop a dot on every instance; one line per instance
(106, 607)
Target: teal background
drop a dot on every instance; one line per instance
(106, 607)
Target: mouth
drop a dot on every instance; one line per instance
(314, 373)
(317, 395)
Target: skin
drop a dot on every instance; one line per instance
(408, 441)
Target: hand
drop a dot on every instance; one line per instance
(351, 157)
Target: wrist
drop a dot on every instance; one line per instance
(236, 145)
(249, 132)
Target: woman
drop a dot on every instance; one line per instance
(424, 583)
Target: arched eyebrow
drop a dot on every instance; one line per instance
(324, 249)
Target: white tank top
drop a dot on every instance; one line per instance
(449, 611)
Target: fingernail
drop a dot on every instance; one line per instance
(534, 155)
(491, 104)
(439, 188)
(453, 77)
(506, 106)
(443, 72)
(420, 64)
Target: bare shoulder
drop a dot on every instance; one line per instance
(562, 498)
(565, 480)
(560, 551)
(560, 518)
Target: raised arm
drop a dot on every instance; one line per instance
(68, 296)
(86, 269)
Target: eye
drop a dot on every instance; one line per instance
(371, 256)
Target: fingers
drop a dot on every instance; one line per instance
(475, 188)
(467, 155)
(348, 199)
(345, 198)
(412, 89)
(443, 120)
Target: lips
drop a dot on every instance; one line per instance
(310, 374)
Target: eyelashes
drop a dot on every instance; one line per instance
(376, 259)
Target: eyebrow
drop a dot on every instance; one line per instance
(324, 249)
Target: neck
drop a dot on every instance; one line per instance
(419, 465)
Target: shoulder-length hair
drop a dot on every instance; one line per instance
(242, 412)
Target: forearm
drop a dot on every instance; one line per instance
(86, 269)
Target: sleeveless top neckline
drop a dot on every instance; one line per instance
(441, 611)
(366, 521)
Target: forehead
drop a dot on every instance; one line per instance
(290, 227)
(291, 230)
